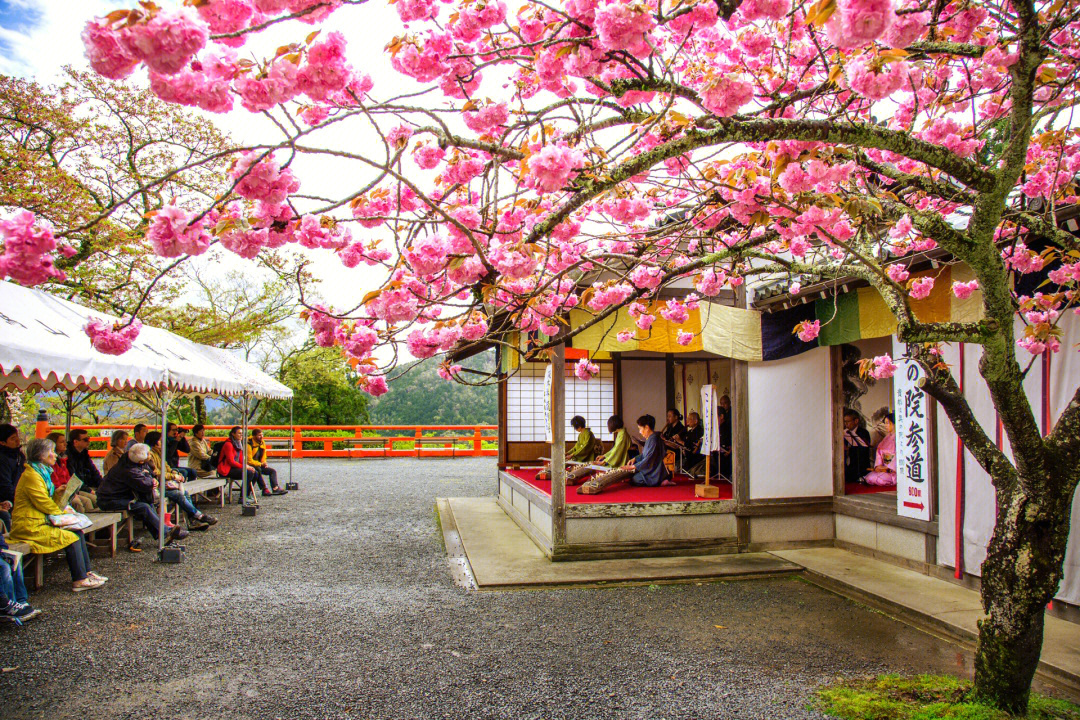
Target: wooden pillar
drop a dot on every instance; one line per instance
(616, 360)
(740, 431)
(669, 384)
(503, 423)
(558, 447)
(836, 383)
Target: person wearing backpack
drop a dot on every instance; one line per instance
(232, 465)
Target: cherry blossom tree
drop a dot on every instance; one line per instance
(590, 153)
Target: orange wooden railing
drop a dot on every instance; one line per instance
(366, 441)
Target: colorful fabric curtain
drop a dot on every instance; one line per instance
(756, 336)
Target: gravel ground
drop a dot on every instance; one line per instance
(336, 602)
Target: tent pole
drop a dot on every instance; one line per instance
(292, 436)
(161, 480)
(67, 413)
(245, 491)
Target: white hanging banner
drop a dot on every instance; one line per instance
(710, 441)
(911, 407)
(548, 437)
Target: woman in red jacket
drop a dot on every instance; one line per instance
(231, 463)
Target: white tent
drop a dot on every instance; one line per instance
(43, 346)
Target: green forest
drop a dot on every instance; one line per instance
(421, 397)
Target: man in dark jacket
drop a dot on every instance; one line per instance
(12, 464)
(79, 461)
(129, 486)
(176, 443)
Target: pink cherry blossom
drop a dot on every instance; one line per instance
(106, 51)
(27, 244)
(964, 290)
(882, 367)
(374, 385)
(487, 118)
(647, 277)
(874, 80)
(726, 95)
(625, 26)
(263, 179)
(586, 370)
(168, 41)
(428, 157)
(684, 338)
(897, 273)
(807, 330)
(410, 10)
(625, 336)
(921, 287)
(858, 22)
(552, 167)
(172, 233)
(112, 339)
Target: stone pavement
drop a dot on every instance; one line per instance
(936, 605)
(501, 555)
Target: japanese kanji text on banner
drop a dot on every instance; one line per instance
(912, 442)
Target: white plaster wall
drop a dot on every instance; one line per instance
(979, 505)
(644, 390)
(790, 424)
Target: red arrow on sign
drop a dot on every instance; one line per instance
(917, 506)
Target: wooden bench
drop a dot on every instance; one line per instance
(107, 521)
(201, 486)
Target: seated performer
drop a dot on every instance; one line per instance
(695, 433)
(884, 472)
(584, 449)
(673, 437)
(856, 447)
(647, 469)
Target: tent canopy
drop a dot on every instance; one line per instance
(43, 346)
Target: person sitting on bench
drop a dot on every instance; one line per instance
(175, 443)
(584, 450)
(174, 485)
(647, 469)
(231, 464)
(198, 458)
(129, 486)
(30, 517)
(138, 435)
(117, 443)
(257, 459)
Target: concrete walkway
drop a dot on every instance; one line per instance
(932, 604)
(502, 556)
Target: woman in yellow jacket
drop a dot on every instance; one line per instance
(30, 517)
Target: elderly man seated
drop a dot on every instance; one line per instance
(174, 485)
(129, 486)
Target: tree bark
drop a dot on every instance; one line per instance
(200, 410)
(1021, 573)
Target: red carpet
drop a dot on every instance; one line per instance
(623, 492)
(860, 489)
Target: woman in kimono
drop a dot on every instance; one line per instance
(884, 472)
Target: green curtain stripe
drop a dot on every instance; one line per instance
(839, 316)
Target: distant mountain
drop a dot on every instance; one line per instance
(421, 397)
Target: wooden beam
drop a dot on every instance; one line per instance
(558, 447)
